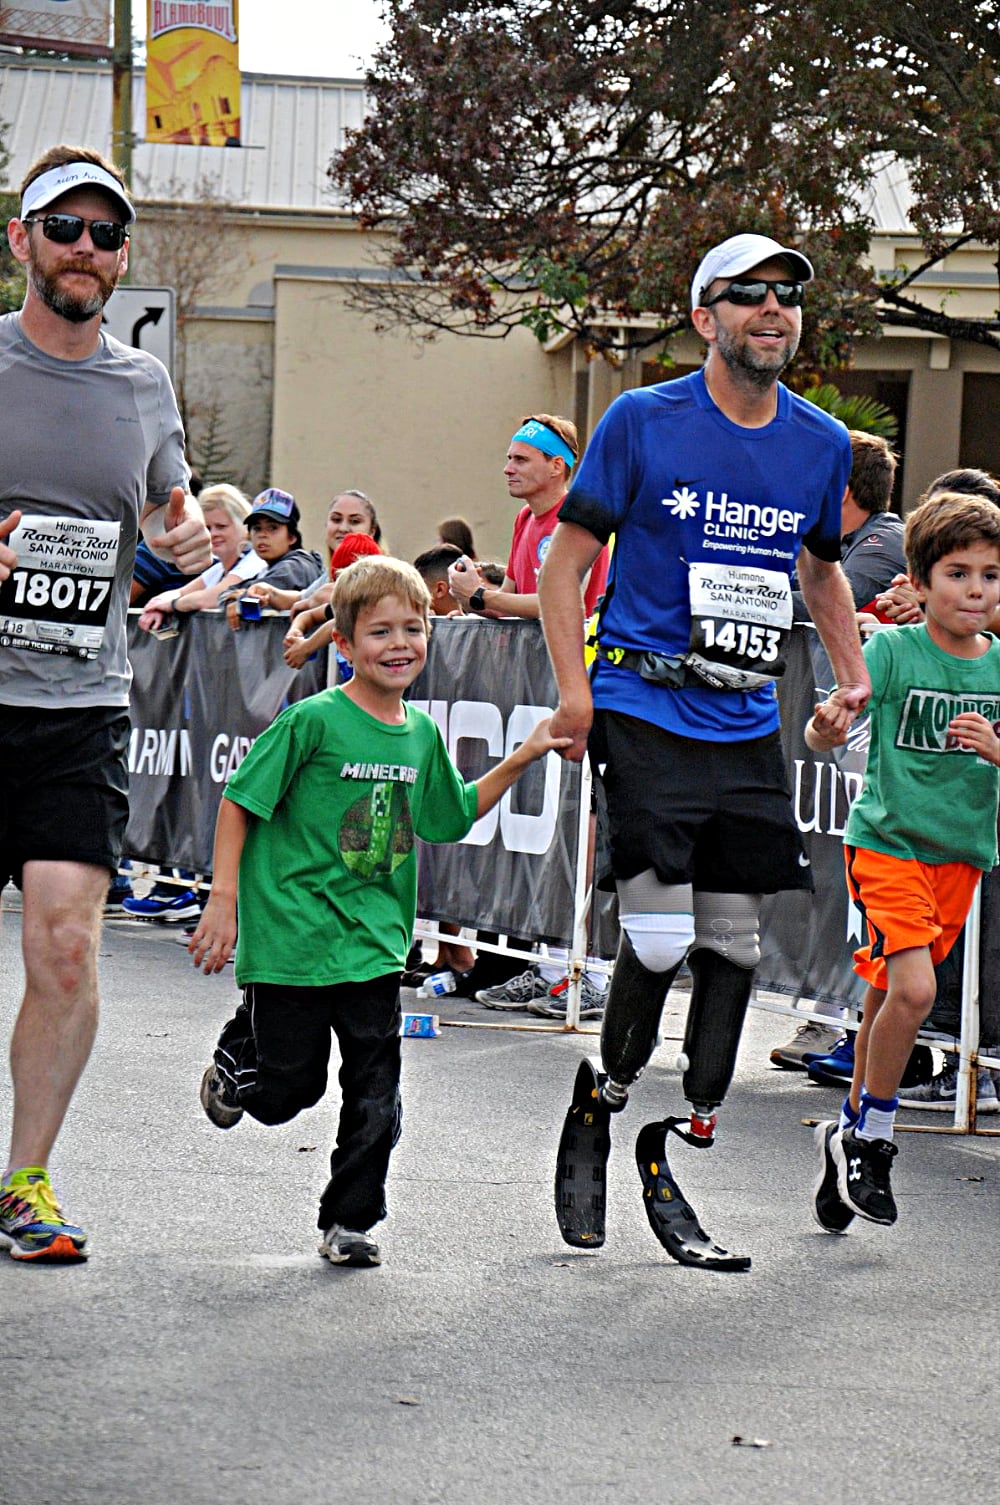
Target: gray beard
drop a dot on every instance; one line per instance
(74, 309)
(744, 367)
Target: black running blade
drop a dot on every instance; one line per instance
(580, 1189)
(670, 1214)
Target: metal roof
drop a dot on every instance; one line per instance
(290, 128)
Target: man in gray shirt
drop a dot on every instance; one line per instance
(91, 452)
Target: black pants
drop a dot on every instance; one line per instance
(274, 1055)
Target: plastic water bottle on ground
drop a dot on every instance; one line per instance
(437, 985)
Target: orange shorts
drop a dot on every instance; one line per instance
(906, 903)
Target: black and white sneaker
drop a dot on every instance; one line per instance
(828, 1209)
(215, 1100)
(346, 1246)
(863, 1167)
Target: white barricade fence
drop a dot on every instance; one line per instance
(200, 698)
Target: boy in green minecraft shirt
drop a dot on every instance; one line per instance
(316, 839)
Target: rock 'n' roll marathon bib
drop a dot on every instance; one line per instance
(57, 597)
(741, 619)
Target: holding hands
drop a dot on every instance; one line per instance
(834, 717)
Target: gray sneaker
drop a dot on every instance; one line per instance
(555, 1005)
(810, 1038)
(346, 1246)
(216, 1101)
(516, 993)
(940, 1093)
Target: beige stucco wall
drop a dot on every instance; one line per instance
(423, 428)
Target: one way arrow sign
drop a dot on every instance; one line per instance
(143, 317)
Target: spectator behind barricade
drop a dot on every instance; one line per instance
(871, 554)
(273, 525)
(456, 530)
(432, 566)
(540, 460)
(351, 512)
(226, 510)
(871, 537)
(899, 602)
(312, 629)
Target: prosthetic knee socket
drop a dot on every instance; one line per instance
(719, 998)
(631, 1020)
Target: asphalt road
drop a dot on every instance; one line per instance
(206, 1354)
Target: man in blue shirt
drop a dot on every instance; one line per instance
(717, 487)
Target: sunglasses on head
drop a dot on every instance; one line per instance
(752, 294)
(66, 229)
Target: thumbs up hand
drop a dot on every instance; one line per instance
(179, 532)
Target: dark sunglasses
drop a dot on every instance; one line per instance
(752, 294)
(66, 229)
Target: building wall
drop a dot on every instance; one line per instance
(421, 427)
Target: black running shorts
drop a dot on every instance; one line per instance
(63, 786)
(716, 815)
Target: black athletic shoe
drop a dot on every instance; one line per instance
(863, 1167)
(828, 1209)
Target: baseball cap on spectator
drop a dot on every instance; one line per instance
(741, 253)
(353, 547)
(279, 505)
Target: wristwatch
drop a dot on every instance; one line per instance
(477, 600)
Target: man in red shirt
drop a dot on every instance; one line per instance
(540, 460)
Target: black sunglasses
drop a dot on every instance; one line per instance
(752, 294)
(66, 229)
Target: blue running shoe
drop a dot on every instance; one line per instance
(181, 905)
(836, 1069)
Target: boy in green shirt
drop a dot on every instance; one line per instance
(316, 838)
(922, 831)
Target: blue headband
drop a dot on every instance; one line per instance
(541, 437)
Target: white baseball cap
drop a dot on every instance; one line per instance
(741, 253)
(51, 185)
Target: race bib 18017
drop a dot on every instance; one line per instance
(56, 598)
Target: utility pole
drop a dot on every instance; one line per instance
(121, 95)
(121, 75)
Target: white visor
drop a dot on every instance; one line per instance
(51, 185)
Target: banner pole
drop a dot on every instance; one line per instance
(581, 901)
(121, 90)
(968, 1075)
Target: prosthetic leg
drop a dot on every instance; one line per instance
(628, 1037)
(719, 1000)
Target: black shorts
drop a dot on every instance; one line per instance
(63, 786)
(713, 814)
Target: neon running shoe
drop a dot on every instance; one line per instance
(31, 1220)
